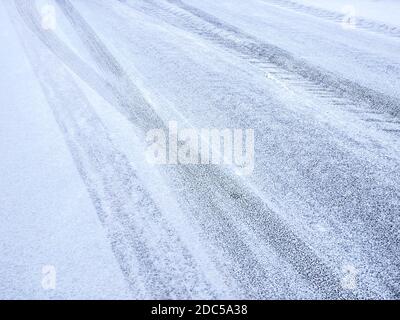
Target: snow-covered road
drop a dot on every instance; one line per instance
(82, 84)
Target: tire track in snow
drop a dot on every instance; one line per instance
(152, 257)
(286, 244)
(376, 228)
(277, 62)
(278, 236)
(228, 196)
(347, 93)
(132, 106)
(230, 240)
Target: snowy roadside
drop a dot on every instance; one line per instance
(55, 229)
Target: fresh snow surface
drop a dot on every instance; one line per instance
(84, 215)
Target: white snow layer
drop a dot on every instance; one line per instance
(319, 216)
